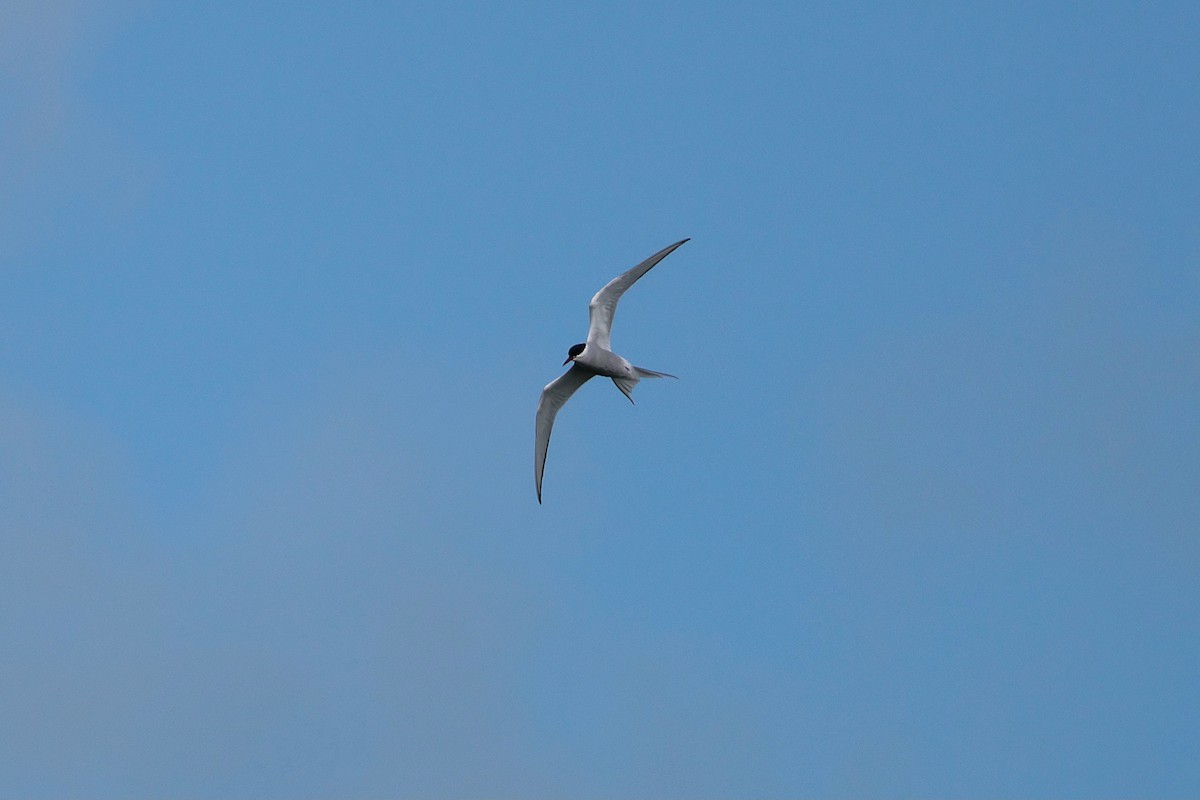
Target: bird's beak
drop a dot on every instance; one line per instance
(569, 360)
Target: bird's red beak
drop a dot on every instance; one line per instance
(569, 360)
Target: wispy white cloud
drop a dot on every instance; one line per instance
(57, 150)
(320, 625)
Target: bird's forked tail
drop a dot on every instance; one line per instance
(649, 373)
(626, 384)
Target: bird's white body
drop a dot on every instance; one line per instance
(605, 362)
(591, 358)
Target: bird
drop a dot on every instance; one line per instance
(591, 358)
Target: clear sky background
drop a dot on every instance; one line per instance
(280, 285)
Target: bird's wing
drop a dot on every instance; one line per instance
(604, 304)
(556, 393)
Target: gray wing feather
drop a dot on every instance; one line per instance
(554, 396)
(604, 303)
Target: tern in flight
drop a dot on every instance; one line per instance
(591, 358)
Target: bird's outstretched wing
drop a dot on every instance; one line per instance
(556, 393)
(604, 303)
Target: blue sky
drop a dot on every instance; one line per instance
(279, 287)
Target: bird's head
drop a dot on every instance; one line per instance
(575, 352)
